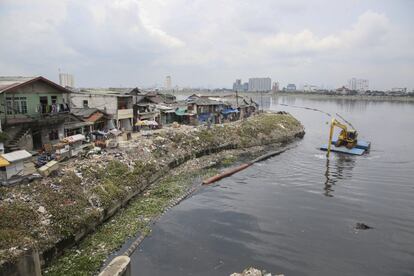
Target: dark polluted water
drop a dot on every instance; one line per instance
(297, 213)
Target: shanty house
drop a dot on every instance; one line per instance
(205, 108)
(237, 107)
(97, 118)
(149, 106)
(32, 111)
(117, 106)
(12, 165)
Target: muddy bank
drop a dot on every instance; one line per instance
(55, 213)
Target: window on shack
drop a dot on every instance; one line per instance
(70, 132)
(53, 134)
(16, 105)
(9, 106)
(123, 102)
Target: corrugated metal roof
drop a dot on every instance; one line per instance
(95, 117)
(102, 92)
(16, 155)
(204, 101)
(9, 83)
(84, 112)
(162, 107)
(77, 125)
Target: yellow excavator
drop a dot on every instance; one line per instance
(347, 138)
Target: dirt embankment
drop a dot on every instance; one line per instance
(56, 212)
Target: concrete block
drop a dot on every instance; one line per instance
(120, 266)
(48, 168)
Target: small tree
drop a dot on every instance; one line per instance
(3, 137)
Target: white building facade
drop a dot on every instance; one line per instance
(168, 83)
(66, 80)
(310, 88)
(260, 84)
(360, 85)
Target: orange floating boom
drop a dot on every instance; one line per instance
(226, 173)
(231, 171)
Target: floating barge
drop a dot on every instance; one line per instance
(361, 148)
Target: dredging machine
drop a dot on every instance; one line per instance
(346, 142)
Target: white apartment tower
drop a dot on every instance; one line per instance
(260, 84)
(168, 84)
(359, 85)
(66, 80)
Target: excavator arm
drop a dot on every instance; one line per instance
(343, 134)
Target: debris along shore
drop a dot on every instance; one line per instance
(56, 212)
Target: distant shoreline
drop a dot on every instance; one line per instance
(346, 97)
(305, 95)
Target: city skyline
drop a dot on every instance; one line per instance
(210, 43)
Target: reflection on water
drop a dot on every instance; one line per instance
(340, 168)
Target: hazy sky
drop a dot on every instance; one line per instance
(210, 43)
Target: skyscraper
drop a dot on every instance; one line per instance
(238, 86)
(168, 84)
(260, 84)
(359, 85)
(66, 80)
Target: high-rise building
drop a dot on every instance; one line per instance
(359, 85)
(168, 83)
(260, 84)
(239, 86)
(66, 80)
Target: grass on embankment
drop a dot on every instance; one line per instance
(89, 255)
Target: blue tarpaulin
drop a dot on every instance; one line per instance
(203, 117)
(229, 111)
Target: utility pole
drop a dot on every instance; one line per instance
(261, 99)
(237, 99)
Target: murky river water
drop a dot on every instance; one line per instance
(295, 213)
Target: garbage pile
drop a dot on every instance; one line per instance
(254, 272)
